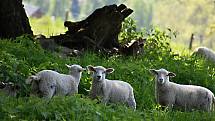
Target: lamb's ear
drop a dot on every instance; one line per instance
(91, 68)
(153, 71)
(171, 74)
(31, 78)
(109, 70)
(83, 69)
(68, 66)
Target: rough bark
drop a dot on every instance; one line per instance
(13, 19)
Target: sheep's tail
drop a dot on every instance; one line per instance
(131, 100)
(213, 103)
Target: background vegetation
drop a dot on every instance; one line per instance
(24, 56)
(183, 16)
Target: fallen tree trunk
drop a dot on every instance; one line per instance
(99, 31)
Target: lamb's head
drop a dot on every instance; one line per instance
(99, 72)
(198, 51)
(201, 51)
(75, 69)
(162, 75)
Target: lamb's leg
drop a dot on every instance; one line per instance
(105, 100)
(171, 100)
(170, 106)
(131, 101)
(73, 91)
(209, 104)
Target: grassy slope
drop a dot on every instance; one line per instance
(23, 57)
(79, 109)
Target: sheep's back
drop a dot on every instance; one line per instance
(192, 96)
(53, 78)
(65, 84)
(48, 76)
(119, 90)
(208, 53)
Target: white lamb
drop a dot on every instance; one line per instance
(205, 52)
(48, 83)
(113, 91)
(185, 96)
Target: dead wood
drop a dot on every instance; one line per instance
(98, 32)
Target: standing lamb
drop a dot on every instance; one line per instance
(205, 52)
(185, 96)
(48, 83)
(113, 91)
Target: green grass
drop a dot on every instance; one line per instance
(79, 108)
(22, 57)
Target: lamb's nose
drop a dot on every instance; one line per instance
(160, 79)
(98, 77)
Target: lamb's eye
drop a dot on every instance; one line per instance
(103, 72)
(52, 86)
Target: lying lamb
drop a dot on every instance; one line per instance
(114, 91)
(205, 52)
(48, 83)
(9, 89)
(186, 96)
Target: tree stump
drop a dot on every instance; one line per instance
(98, 31)
(13, 19)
